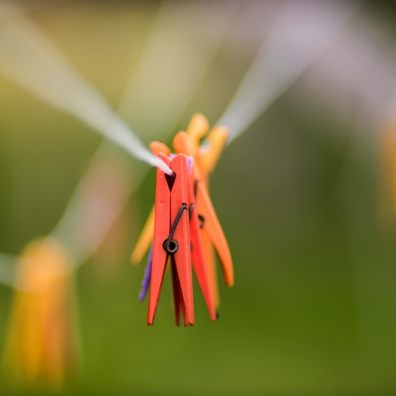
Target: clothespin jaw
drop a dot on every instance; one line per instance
(172, 238)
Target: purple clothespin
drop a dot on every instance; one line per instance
(146, 277)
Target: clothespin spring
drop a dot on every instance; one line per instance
(170, 245)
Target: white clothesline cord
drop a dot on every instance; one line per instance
(185, 37)
(67, 229)
(303, 30)
(284, 76)
(29, 58)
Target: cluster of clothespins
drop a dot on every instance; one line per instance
(183, 227)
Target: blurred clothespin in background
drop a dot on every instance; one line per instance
(40, 345)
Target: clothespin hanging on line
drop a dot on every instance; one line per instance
(205, 229)
(172, 239)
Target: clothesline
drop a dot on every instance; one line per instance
(53, 79)
(61, 86)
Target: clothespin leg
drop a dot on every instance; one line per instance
(179, 305)
(199, 265)
(179, 212)
(213, 228)
(211, 267)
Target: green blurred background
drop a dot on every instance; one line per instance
(313, 310)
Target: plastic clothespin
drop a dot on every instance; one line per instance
(197, 252)
(206, 159)
(144, 241)
(208, 235)
(183, 143)
(172, 240)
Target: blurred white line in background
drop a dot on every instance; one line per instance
(28, 57)
(177, 30)
(300, 34)
(184, 40)
(105, 188)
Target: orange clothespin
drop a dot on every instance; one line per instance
(172, 239)
(206, 159)
(144, 241)
(206, 234)
(196, 249)
(210, 224)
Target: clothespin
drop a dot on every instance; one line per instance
(203, 234)
(206, 159)
(40, 346)
(183, 143)
(144, 241)
(197, 250)
(172, 239)
(197, 254)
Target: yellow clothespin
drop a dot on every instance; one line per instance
(39, 345)
(209, 156)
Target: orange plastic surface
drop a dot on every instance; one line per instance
(146, 236)
(183, 143)
(167, 205)
(197, 255)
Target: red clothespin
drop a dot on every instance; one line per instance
(172, 239)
